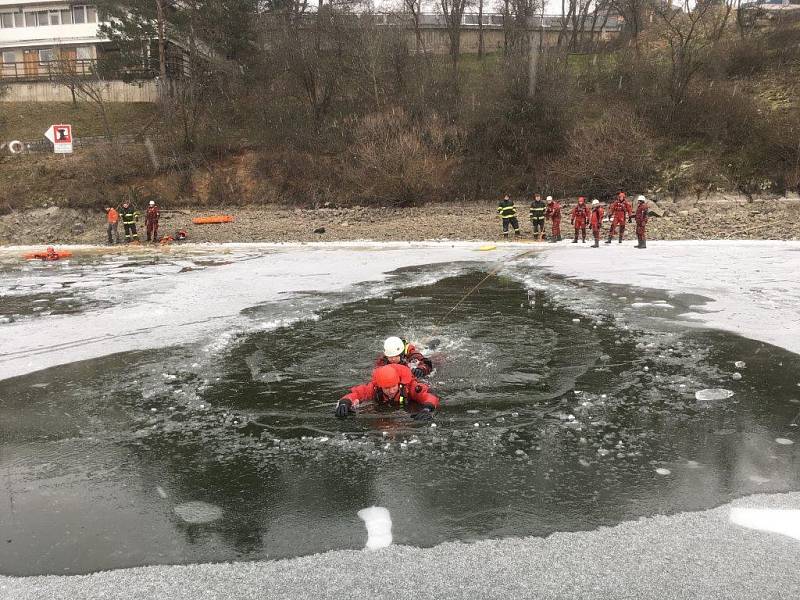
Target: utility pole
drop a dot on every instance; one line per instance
(535, 35)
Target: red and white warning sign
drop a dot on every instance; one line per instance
(61, 136)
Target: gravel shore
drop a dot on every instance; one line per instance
(721, 218)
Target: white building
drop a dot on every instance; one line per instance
(37, 34)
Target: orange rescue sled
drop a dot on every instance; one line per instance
(214, 219)
(48, 254)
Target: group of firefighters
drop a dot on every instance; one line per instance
(582, 215)
(130, 216)
(395, 383)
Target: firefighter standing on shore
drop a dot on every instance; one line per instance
(537, 213)
(129, 217)
(596, 221)
(579, 218)
(151, 221)
(553, 213)
(620, 210)
(508, 212)
(641, 221)
(112, 218)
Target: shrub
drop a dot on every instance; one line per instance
(614, 151)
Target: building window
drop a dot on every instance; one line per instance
(66, 17)
(46, 55)
(30, 19)
(9, 57)
(19, 19)
(42, 18)
(79, 14)
(84, 53)
(91, 14)
(55, 17)
(6, 20)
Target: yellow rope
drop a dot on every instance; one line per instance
(479, 284)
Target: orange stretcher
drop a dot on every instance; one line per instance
(211, 220)
(48, 254)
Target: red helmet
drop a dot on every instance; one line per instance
(386, 376)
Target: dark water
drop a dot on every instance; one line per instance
(548, 425)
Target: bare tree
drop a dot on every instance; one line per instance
(84, 84)
(453, 13)
(414, 7)
(634, 13)
(480, 29)
(688, 35)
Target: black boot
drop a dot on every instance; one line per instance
(558, 239)
(608, 241)
(575, 241)
(643, 244)
(596, 244)
(620, 237)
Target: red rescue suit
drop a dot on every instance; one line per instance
(621, 210)
(409, 391)
(579, 218)
(596, 221)
(553, 213)
(151, 222)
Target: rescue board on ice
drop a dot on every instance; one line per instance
(48, 254)
(212, 220)
(487, 247)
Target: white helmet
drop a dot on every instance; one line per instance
(549, 198)
(393, 346)
(595, 202)
(641, 198)
(152, 202)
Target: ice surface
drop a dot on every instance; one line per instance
(744, 305)
(155, 305)
(198, 512)
(785, 522)
(710, 395)
(378, 522)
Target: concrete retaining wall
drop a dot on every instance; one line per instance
(113, 91)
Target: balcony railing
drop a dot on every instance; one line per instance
(58, 71)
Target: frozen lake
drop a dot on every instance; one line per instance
(174, 408)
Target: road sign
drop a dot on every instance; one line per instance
(61, 136)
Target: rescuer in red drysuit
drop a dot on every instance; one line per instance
(391, 386)
(553, 213)
(579, 218)
(641, 221)
(151, 221)
(398, 351)
(619, 211)
(596, 221)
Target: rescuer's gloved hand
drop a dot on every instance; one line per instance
(425, 414)
(417, 372)
(343, 407)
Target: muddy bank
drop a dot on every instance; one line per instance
(717, 218)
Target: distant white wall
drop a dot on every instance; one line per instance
(114, 91)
